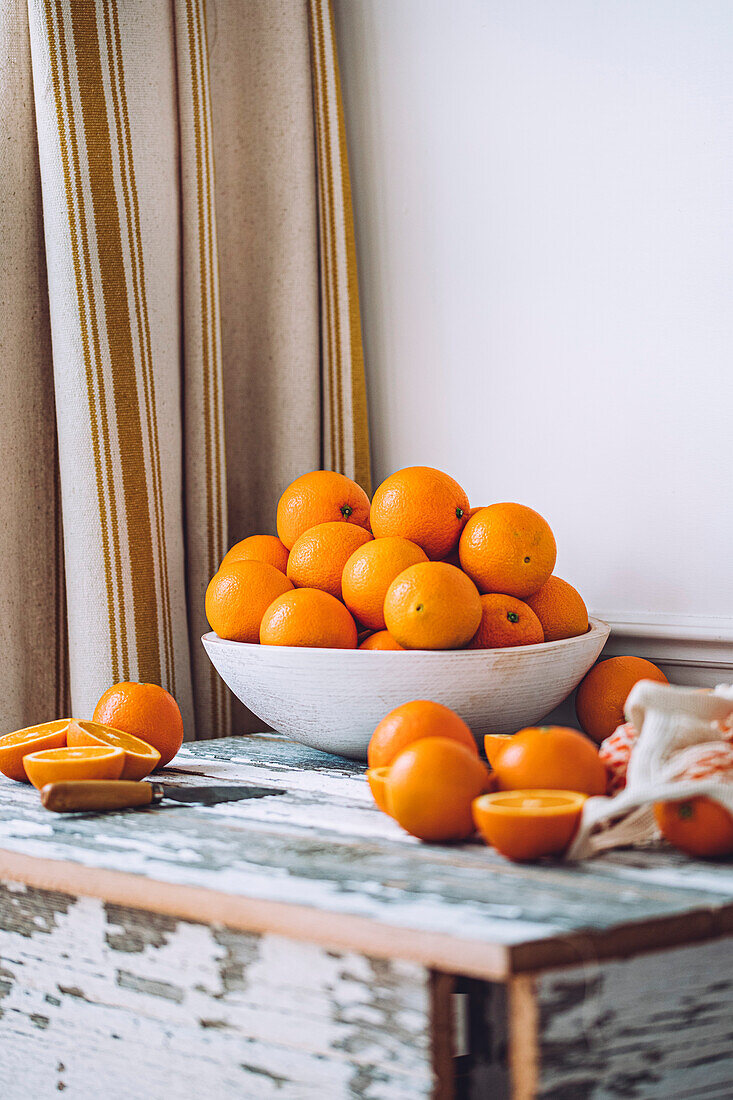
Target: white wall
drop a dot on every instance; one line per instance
(544, 202)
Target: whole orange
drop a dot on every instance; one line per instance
(560, 609)
(411, 722)
(423, 505)
(146, 711)
(508, 548)
(599, 703)
(322, 496)
(431, 786)
(432, 605)
(308, 617)
(548, 758)
(506, 621)
(238, 596)
(318, 557)
(370, 571)
(381, 639)
(700, 827)
(267, 548)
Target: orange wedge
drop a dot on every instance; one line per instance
(14, 746)
(529, 824)
(81, 762)
(493, 742)
(140, 757)
(377, 780)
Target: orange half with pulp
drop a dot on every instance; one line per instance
(140, 757)
(529, 824)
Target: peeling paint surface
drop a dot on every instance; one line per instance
(660, 1026)
(100, 1000)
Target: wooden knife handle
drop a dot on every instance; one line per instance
(95, 794)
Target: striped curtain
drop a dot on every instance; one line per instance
(200, 296)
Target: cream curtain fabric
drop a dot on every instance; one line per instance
(200, 294)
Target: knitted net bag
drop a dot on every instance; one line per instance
(677, 744)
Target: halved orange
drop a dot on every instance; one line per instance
(81, 762)
(140, 757)
(15, 746)
(493, 742)
(528, 824)
(377, 780)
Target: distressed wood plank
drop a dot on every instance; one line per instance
(657, 1027)
(100, 1000)
(321, 862)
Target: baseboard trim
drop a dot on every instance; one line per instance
(671, 640)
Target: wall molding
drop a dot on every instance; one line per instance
(704, 642)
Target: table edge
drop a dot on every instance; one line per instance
(433, 950)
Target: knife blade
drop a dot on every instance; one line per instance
(121, 794)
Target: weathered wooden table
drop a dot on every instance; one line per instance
(303, 946)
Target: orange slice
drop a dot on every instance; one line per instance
(140, 757)
(81, 762)
(494, 742)
(377, 780)
(529, 824)
(14, 746)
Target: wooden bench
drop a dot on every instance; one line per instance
(303, 946)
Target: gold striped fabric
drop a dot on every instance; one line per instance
(112, 238)
(345, 429)
(203, 410)
(180, 411)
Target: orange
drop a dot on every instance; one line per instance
(320, 497)
(308, 617)
(506, 621)
(409, 723)
(382, 639)
(423, 505)
(267, 548)
(377, 780)
(318, 557)
(560, 609)
(431, 786)
(529, 824)
(432, 605)
(140, 757)
(508, 548)
(493, 743)
(370, 571)
(599, 703)
(238, 596)
(146, 711)
(15, 746)
(698, 826)
(548, 757)
(80, 762)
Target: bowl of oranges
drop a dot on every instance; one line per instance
(357, 606)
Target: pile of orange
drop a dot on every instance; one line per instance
(135, 729)
(426, 773)
(415, 568)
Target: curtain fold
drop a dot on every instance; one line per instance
(33, 667)
(182, 149)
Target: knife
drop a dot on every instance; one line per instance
(120, 794)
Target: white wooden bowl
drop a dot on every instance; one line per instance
(331, 699)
